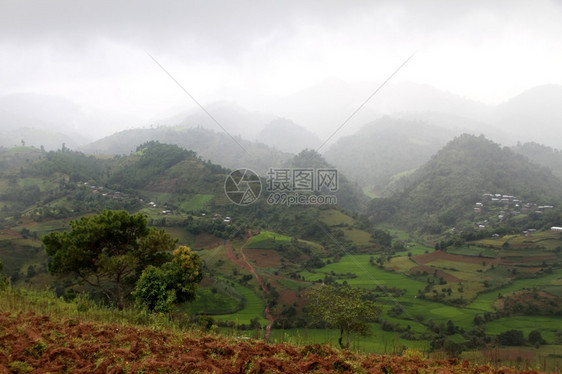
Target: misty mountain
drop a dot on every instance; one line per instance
(386, 147)
(542, 155)
(58, 119)
(322, 108)
(534, 115)
(217, 147)
(287, 136)
(233, 118)
(36, 137)
(443, 192)
(348, 193)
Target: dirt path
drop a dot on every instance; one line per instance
(244, 263)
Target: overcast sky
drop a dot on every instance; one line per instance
(94, 52)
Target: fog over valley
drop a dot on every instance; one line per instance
(82, 72)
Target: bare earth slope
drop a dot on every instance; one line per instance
(40, 344)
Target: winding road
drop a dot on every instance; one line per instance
(245, 264)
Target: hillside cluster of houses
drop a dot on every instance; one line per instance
(103, 191)
(505, 206)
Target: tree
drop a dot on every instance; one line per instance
(535, 338)
(108, 251)
(175, 282)
(511, 337)
(344, 308)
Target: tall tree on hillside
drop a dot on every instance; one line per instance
(344, 308)
(174, 282)
(108, 251)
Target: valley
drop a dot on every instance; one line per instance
(455, 286)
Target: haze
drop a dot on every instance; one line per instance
(266, 57)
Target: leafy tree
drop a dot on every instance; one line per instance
(511, 337)
(535, 338)
(345, 308)
(175, 282)
(108, 251)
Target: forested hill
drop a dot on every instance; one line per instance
(443, 192)
(219, 148)
(387, 147)
(349, 195)
(542, 155)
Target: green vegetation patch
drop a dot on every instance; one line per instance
(333, 217)
(196, 202)
(267, 240)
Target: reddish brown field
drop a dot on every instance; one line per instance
(509, 354)
(9, 234)
(264, 258)
(207, 241)
(440, 273)
(39, 344)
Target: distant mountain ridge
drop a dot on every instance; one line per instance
(217, 147)
(385, 148)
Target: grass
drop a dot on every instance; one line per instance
(267, 240)
(293, 285)
(222, 301)
(333, 217)
(368, 191)
(184, 237)
(253, 307)
(484, 301)
(19, 300)
(546, 325)
(402, 264)
(197, 202)
(378, 341)
(473, 251)
(358, 237)
(460, 266)
(368, 276)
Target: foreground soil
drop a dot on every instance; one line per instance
(40, 344)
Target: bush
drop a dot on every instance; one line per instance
(511, 338)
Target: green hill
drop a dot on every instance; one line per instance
(219, 148)
(542, 155)
(385, 148)
(443, 192)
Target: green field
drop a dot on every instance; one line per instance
(253, 307)
(208, 302)
(473, 251)
(368, 190)
(546, 325)
(267, 240)
(333, 217)
(378, 341)
(197, 202)
(358, 237)
(484, 301)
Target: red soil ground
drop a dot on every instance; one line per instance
(207, 241)
(264, 258)
(440, 273)
(40, 344)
